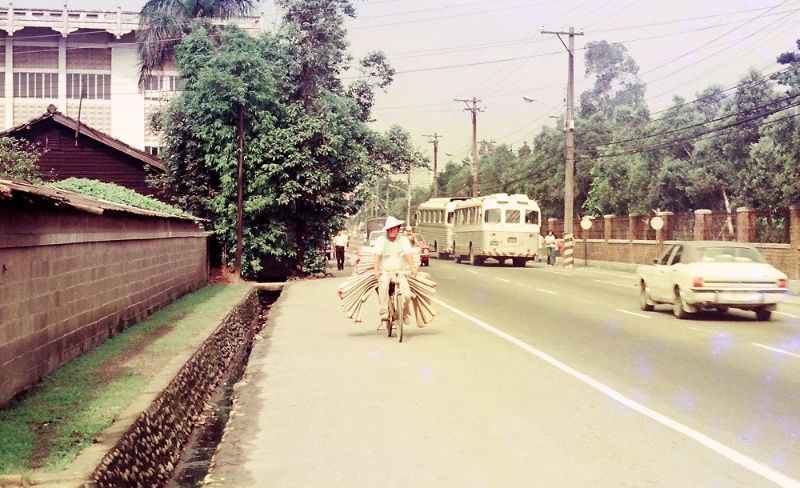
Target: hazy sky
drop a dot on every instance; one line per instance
(681, 46)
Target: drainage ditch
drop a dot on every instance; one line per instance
(196, 458)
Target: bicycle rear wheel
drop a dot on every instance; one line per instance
(390, 322)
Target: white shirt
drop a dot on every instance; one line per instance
(550, 241)
(393, 253)
(340, 240)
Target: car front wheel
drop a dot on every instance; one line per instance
(763, 314)
(644, 301)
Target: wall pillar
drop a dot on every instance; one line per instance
(794, 241)
(607, 227)
(702, 224)
(62, 74)
(745, 230)
(9, 83)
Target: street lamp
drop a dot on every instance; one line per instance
(531, 100)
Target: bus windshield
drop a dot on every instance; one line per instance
(512, 217)
(532, 217)
(492, 216)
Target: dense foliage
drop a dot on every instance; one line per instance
(727, 147)
(309, 157)
(19, 160)
(116, 194)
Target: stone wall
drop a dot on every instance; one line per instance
(71, 279)
(149, 450)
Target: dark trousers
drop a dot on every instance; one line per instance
(340, 258)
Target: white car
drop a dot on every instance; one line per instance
(702, 275)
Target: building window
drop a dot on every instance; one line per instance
(35, 85)
(2, 84)
(152, 150)
(93, 86)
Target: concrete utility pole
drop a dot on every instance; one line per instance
(569, 129)
(434, 139)
(408, 197)
(474, 109)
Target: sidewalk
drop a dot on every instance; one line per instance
(329, 403)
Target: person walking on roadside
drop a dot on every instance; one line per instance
(394, 253)
(339, 243)
(550, 243)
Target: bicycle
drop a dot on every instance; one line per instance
(396, 300)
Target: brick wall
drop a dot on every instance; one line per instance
(69, 280)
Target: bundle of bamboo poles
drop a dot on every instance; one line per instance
(356, 290)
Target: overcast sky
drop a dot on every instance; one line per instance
(681, 46)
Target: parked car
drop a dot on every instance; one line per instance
(424, 250)
(704, 275)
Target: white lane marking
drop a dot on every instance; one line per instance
(547, 291)
(712, 444)
(502, 279)
(634, 313)
(625, 285)
(787, 314)
(472, 271)
(775, 349)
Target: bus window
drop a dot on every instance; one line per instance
(492, 216)
(512, 216)
(532, 217)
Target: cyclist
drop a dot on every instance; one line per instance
(393, 253)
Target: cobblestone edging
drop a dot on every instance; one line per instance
(150, 448)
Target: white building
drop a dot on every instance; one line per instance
(53, 56)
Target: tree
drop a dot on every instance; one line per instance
(19, 160)
(163, 23)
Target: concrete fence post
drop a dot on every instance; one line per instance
(608, 227)
(551, 224)
(702, 224)
(794, 240)
(666, 231)
(745, 230)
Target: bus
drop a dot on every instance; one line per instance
(498, 226)
(434, 220)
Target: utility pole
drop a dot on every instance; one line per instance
(434, 139)
(408, 197)
(569, 130)
(474, 109)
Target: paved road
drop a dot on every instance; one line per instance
(528, 377)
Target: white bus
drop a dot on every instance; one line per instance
(434, 220)
(498, 226)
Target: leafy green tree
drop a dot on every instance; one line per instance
(19, 160)
(163, 23)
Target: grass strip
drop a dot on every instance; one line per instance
(47, 427)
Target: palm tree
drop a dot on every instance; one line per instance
(162, 24)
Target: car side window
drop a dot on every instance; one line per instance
(665, 258)
(676, 256)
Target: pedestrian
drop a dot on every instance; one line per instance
(339, 243)
(550, 243)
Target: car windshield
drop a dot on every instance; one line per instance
(728, 254)
(376, 234)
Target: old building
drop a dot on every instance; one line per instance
(56, 56)
(74, 149)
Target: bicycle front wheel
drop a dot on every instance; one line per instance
(400, 314)
(390, 322)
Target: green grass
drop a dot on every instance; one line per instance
(76, 403)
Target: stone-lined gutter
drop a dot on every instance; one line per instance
(142, 447)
